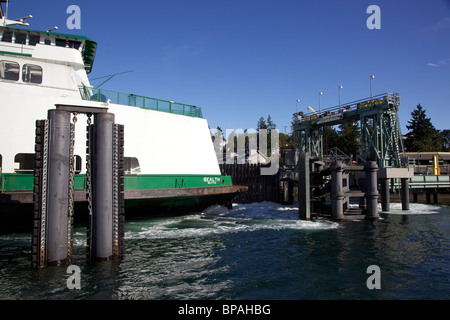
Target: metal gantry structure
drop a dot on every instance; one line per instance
(332, 178)
(381, 139)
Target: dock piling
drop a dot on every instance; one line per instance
(106, 228)
(51, 238)
(337, 194)
(405, 193)
(58, 187)
(371, 190)
(385, 195)
(102, 184)
(304, 205)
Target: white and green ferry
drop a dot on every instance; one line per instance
(170, 161)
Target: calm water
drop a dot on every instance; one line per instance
(255, 251)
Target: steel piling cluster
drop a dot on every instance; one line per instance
(52, 236)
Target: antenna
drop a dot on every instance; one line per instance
(1, 9)
(51, 29)
(109, 77)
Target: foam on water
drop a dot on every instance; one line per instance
(416, 209)
(257, 251)
(220, 220)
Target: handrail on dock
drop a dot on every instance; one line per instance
(389, 98)
(133, 100)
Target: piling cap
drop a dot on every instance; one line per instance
(337, 165)
(370, 166)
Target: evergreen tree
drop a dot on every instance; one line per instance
(286, 141)
(330, 138)
(348, 140)
(422, 135)
(293, 122)
(261, 124)
(445, 135)
(270, 124)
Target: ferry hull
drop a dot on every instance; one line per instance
(17, 207)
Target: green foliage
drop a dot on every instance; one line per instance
(349, 138)
(346, 139)
(330, 138)
(445, 135)
(422, 135)
(286, 141)
(270, 124)
(261, 124)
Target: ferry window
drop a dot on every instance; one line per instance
(48, 42)
(33, 39)
(32, 73)
(21, 38)
(9, 70)
(77, 164)
(74, 44)
(60, 42)
(131, 165)
(7, 36)
(26, 162)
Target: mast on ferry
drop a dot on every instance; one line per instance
(5, 22)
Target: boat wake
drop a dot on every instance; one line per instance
(220, 220)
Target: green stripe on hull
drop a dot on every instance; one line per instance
(174, 181)
(24, 182)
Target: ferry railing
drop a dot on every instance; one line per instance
(133, 100)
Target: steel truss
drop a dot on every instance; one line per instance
(380, 139)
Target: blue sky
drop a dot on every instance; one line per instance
(240, 60)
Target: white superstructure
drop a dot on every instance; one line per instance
(40, 69)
